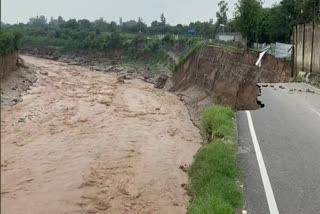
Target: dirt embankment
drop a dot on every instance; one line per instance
(16, 78)
(105, 61)
(215, 75)
(75, 57)
(82, 141)
(8, 64)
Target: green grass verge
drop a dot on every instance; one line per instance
(217, 122)
(214, 174)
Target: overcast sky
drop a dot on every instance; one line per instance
(176, 11)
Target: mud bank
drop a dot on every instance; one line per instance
(107, 62)
(215, 75)
(8, 64)
(16, 78)
(75, 57)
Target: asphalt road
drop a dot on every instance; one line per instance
(288, 133)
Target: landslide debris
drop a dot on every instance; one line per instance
(214, 75)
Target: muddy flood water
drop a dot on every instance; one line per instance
(80, 142)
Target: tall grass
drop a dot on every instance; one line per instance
(214, 172)
(216, 121)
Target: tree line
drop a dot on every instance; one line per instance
(275, 24)
(257, 24)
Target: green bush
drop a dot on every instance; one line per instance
(154, 46)
(9, 41)
(168, 39)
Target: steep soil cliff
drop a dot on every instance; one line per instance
(16, 78)
(8, 64)
(220, 76)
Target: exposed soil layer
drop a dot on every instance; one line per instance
(16, 84)
(82, 141)
(76, 57)
(107, 61)
(220, 76)
(8, 64)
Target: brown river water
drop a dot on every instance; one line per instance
(80, 142)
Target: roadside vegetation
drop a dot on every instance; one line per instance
(214, 174)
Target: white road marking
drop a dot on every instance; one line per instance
(273, 208)
(312, 87)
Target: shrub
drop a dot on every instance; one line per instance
(9, 41)
(168, 39)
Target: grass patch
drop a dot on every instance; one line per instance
(214, 172)
(217, 122)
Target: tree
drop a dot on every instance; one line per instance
(113, 25)
(130, 26)
(222, 13)
(120, 21)
(309, 10)
(247, 16)
(115, 40)
(101, 25)
(280, 22)
(38, 21)
(84, 24)
(163, 19)
(275, 24)
(155, 24)
(61, 20)
(53, 23)
(141, 26)
(71, 23)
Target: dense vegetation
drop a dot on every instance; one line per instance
(274, 24)
(9, 41)
(214, 172)
(98, 36)
(256, 23)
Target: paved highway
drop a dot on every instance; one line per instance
(279, 151)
